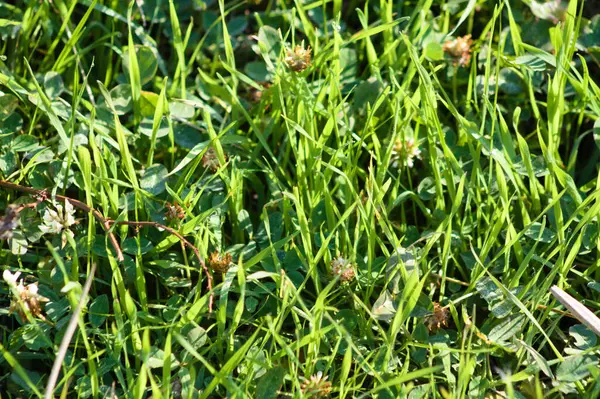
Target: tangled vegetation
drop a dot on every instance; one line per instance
(272, 199)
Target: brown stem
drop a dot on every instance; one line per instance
(184, 241)
(31, 205)
(43, 194)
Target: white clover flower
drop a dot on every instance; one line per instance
(26, 299)
(70, 213)
(52, 222)
(339, 263)
(405, 152)
(57, 220)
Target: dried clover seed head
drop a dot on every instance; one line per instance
(210, 160)
(174, 211)
(218, 262)
(298, 59)
(437, 319)
(342, 267)
(459, 49)
(316, 386)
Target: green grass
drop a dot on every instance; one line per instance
(456, 191)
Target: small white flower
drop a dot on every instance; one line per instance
(404, 153)
(21, 289)
(339, 263)
(32, 290)
(57, 220)
(10, 278)
(26, 299)
(69, 214)
(52, 222)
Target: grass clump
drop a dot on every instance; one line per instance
(298, 199)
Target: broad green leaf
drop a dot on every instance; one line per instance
(148, 103)
(506, 329)
(402, 263)
(258, 71)
(583, 336)
(130, 246)
(575, 368)
(121, 96)
(146, 60)
(269, 42)
(156, 359)
(146, 126)
(8, 162)
(434, 51)
(98, 311)
(8, 105)
(18, 243)
(154, 179)
(384, 307)
(540, 233)
(244, 221)
(269, 384)
(182, 109)
(53, 84)
(11, 124)
(24, 143)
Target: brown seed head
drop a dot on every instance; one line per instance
(459, 49)
(210, 160)
(174, 211)
(437, 319)
(342, 267)
(317, 386)
(218, 262)
(299, 59)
